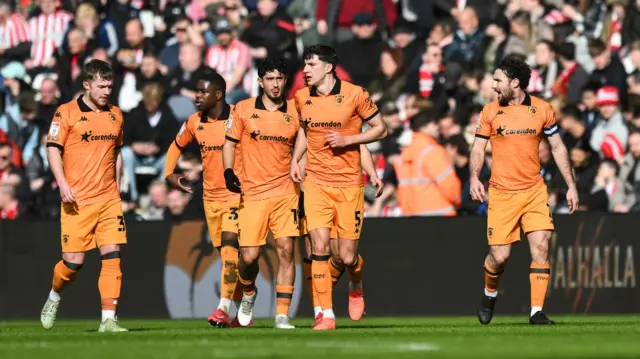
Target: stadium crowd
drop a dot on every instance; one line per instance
(411, 55)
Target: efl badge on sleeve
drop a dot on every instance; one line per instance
(54, 129)
(339, 99)
(287, 118)
(229, 123)
(113, 117)
(532, 110)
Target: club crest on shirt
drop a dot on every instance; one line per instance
(287, 118)
(54, 129)
(113, 117)
(532, 110)
(339, 99)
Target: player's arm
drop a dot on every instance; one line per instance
(377, 130)
(561, 156)
(366, 161)
(56, 139)
(119, 164)
(183, 139)
(299, 150)
(368, 111)
(234, 131)
(476, 157)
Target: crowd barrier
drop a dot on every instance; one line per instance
(413, 266)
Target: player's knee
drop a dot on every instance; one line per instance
(250, 255)
(73, 259)
(499, 258)
(285, 252)
(348, 259)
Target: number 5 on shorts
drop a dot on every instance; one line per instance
(358, 221)
(123, 226)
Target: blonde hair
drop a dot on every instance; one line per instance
(152, 93)
(85, 11)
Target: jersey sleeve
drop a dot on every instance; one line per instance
(185, 135)
(59, 128)
(484, 125)
(365, 106)
(550, 127)
(234, 127)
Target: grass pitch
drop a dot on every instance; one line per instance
(505, 337)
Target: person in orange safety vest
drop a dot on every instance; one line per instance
(427, 181)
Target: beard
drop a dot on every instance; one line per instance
(505, 96)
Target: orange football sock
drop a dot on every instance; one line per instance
(491, 277)
(337, 270)
(322, 280)
(110, 281)
(539, 278)
(63, 274)
(229, 275)
(284, 294)
(248, 285)
(355, 271)
(307, 278)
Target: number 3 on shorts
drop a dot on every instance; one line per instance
(123, 226)
(358, 221)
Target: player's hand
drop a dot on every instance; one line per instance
(232, 181)
(175, 181)
(67, 194)
(572, 199)
(294, 172)
(377, 183)
(336, 140)
(476, 188)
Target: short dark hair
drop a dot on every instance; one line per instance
(567, 50)
(216, 80)
(460, 143)
(550, 45)
(422, 119)
(271, 64)
(325, 53)
(515, 67)
(97, 68)
(573, 112)
(596, 47)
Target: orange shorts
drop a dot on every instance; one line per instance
(222, 216)
(278, 214)
(305, 232)
(508, 211)
(85, 227)
(339, 207)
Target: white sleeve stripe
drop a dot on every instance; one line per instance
(551, 130)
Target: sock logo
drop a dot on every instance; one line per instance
(318, 276)
(542, 278)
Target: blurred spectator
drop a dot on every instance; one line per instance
(427, 183)
(232, 10)
(70, 64)
(390, 82)
(271, 32)
(406, 38)
(158, 201)
(15, 43)
(458, 150)
(336, 17)
(149, 130)
(48, 101)
(12, 175)
(502, 42)
(46, 31)
(589, 106)
(127, 64)
(150, 72)
(184, 32)
(573, 77)
(430, 75)
(104, 35)
(303, 14)
(630, 169)
(9, 205)
(231, 58)
(620, 195)
(469, 44)
(609, 71)
(176, 204)
(448, 127)
(585, 163)
(183, 82)
(391, 117)
(360, 56)
(610, 135)
(573, 128)
(547, 66)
